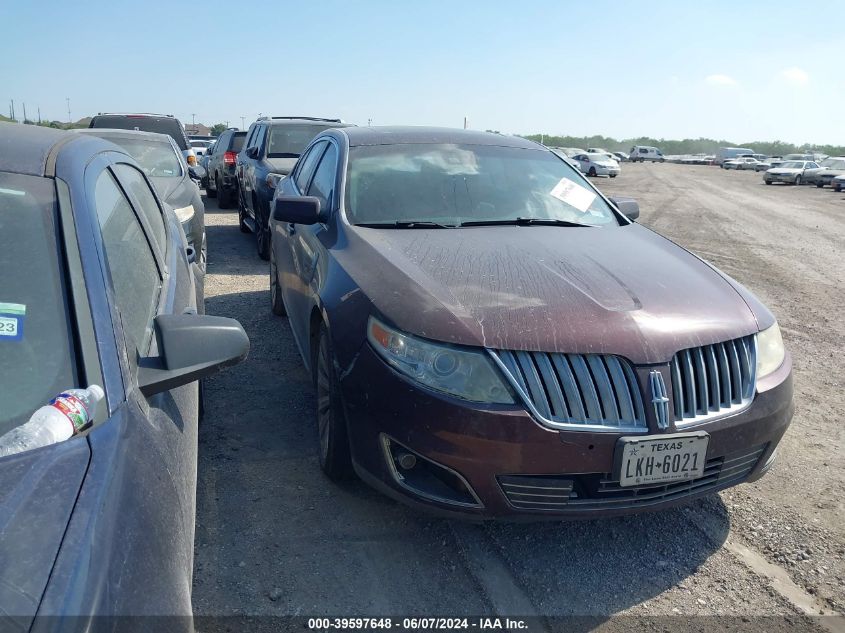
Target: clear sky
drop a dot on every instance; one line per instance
(741, 71)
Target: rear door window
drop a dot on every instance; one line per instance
(134, 275)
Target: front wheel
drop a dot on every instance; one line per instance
(819, 184)
(262, 232)
(334, 453)
(797, 180)
(768, 182)
(592, 172)
(612, 175)
(276, 303)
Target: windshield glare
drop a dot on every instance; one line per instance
(156, 158)
(793, 164)
(289, 141)
(36, 353)
(451, 184)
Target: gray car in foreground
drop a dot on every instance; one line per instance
(163, 163)
(101, 524)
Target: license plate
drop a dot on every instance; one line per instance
(667, 458)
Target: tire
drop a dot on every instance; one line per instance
(612, 175)
(209, 192)
(224, 199)
(201, 403)
(276, 303)
(797, 180)
(333, 450)
(662, 160)
(768, 182)
(592, 172)
(242, 225)
(819, 184)
(262, 232)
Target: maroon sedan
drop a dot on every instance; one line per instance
(489, 335)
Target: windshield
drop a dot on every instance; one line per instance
(451, 184)
(201, 144)
(289, 141)
(599, 157)
(833, 163)
(156, 158)
(792, 164)
(36, 349)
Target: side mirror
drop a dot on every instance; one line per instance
(297, 209)
(191, 347)
(252, 153)
(627, 206)
(197, 172)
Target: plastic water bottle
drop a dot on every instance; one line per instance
(69, 413)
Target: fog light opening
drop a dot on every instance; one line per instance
(427, 478)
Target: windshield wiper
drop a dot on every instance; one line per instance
(523, 222)
(407, 224)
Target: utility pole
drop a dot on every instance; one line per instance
(68, 109)
(242, 121)
(369, 123)
(39, 115)
(13, 110)
(24, 113)
(193, 120)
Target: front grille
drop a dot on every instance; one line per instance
(577, 389)
(600, 491)
(713, 379)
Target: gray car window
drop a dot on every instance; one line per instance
(306, 165)
(133, 270)
(322, 185)
(134, 180)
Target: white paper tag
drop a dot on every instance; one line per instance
(573, 194)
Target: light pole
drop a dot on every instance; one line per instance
(68, 110)
(242, 121)
(193, 120)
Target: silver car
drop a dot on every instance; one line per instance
(746, 162)
(790, 172)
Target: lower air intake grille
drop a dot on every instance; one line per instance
(580, 493)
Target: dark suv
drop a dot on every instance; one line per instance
(220, 165)
(272, 147)
(159, 123)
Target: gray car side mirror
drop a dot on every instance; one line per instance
(627, 207)
(297, 209)
(191, 347)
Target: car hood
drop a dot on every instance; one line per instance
(624, 290)
(282, 165)
(785, 170)
(38, 490)
(174, 191)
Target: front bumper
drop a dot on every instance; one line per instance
(489, 448)
(790, 178)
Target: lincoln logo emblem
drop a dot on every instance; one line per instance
(659, 399)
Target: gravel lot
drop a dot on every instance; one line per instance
(274, 536)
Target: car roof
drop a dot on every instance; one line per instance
(302, 121)
(392, 135)
(25, 149)
(104, 132)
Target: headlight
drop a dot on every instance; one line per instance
(770, 351)
(463, 373)
(273, 179)
(185, 213)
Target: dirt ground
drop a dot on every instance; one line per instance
(274, 536)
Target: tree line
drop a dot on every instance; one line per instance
(685, 146)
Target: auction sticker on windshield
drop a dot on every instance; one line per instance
(667, 458)
(573, 194)
(11, 321)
